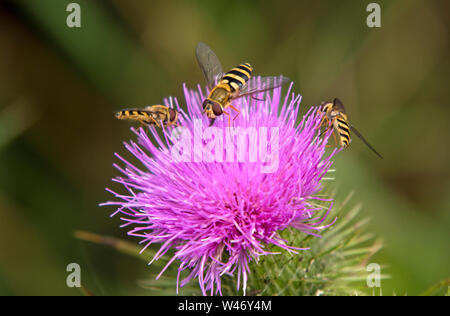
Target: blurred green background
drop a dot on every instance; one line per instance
(59, 87)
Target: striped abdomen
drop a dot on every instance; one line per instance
(343, 130)
(132, 114)
(237, 77)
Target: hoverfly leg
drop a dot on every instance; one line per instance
(143, 122)
(229, 118)
(238, 112)
(153, 122)
(257, 99)
(324, 118)
(335, 139)
(326, 131)
(331, 123)
(334, 135)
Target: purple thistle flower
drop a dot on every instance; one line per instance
(218, 216)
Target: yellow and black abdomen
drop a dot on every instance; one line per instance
(237, 77)
(343, 131)
(132, 114)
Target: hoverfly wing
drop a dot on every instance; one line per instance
(263, 84)
(209, 64)
(157, 108)
(157, 112)
(354, 130)
(339, 106)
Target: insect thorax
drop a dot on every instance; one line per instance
(220, 94)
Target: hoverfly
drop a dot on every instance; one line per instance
(337, 118)
(150, 115)
(230, 86)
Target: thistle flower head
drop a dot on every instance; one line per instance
(222, 195)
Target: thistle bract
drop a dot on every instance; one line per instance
(218, 196)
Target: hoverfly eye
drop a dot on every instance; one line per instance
(172, 115)
(217, 109)
(205, 104)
